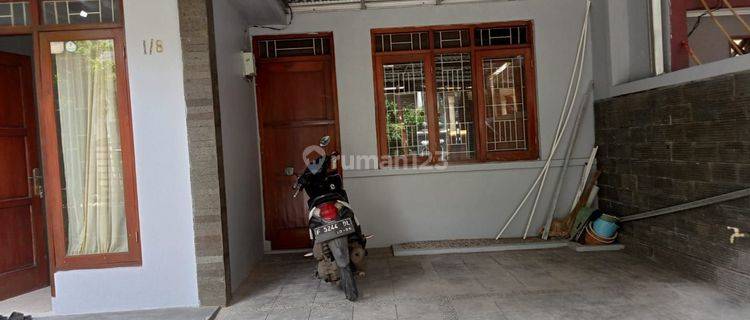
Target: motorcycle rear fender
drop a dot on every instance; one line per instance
(340, 250)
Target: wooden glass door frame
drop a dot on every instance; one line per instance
(35, 29)
(51, 153)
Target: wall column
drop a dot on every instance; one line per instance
(204, 143)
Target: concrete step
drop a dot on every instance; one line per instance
(203, 313)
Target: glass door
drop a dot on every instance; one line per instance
(90, 167)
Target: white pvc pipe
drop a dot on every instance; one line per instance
(566, 164)
(561, 133)
(578, 58)
(559, 137)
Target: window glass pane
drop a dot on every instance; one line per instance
(294, 47)
(402, 41)
(455, 106)
(85, 87)
(15, 13)
(500, 36)
(80, 11)
(451, 39)
(406, 122)
(506, 117)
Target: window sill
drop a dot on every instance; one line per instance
(469, 167)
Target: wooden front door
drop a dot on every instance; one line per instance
(296, 107)
(24, 264)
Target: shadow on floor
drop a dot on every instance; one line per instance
(204, 313)
(543, 284)
(38, 303)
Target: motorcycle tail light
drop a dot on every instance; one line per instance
(328, 211)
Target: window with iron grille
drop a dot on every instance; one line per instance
(462, 93)
(293, 47)
(15, 13)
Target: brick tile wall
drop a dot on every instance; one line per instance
(204, 142)
(673, 145)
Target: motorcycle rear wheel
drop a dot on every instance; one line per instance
(348, 283)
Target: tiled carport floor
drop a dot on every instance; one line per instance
(547, 284)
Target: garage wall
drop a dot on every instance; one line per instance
(167, 277)
(464, 201)
(239, 129)
(674, 145)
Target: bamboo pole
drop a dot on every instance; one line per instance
(566, 164)
(692, 54)
(742, 21)
(721, 27)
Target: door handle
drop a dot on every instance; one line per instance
(37, 182)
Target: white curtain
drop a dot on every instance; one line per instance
(90, 142)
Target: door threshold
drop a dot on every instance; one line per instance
(288, 251)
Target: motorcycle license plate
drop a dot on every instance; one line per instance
(333, 230)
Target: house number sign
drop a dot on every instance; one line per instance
(152, 46)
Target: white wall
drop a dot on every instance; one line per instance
(622, 42)
(617, 73)
(709, 43)
(470, 201)
(168, 275)
(240, 144)
(260, 12)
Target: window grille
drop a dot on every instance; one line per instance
(406, 124)
(456, 93)
(402, 41)
(451, 39)
(501, 36)
(506, 116)
(14, 13)
(276, 48)
(455, 106)
(80, 11)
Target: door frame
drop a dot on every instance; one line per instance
(37, 82)
(334, 100)
(34, 29)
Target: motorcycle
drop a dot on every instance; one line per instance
(339, 244)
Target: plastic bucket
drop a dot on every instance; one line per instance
(592, 238)
(606, 226)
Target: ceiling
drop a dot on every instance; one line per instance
(262, 12)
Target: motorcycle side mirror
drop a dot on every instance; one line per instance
(325, 141)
